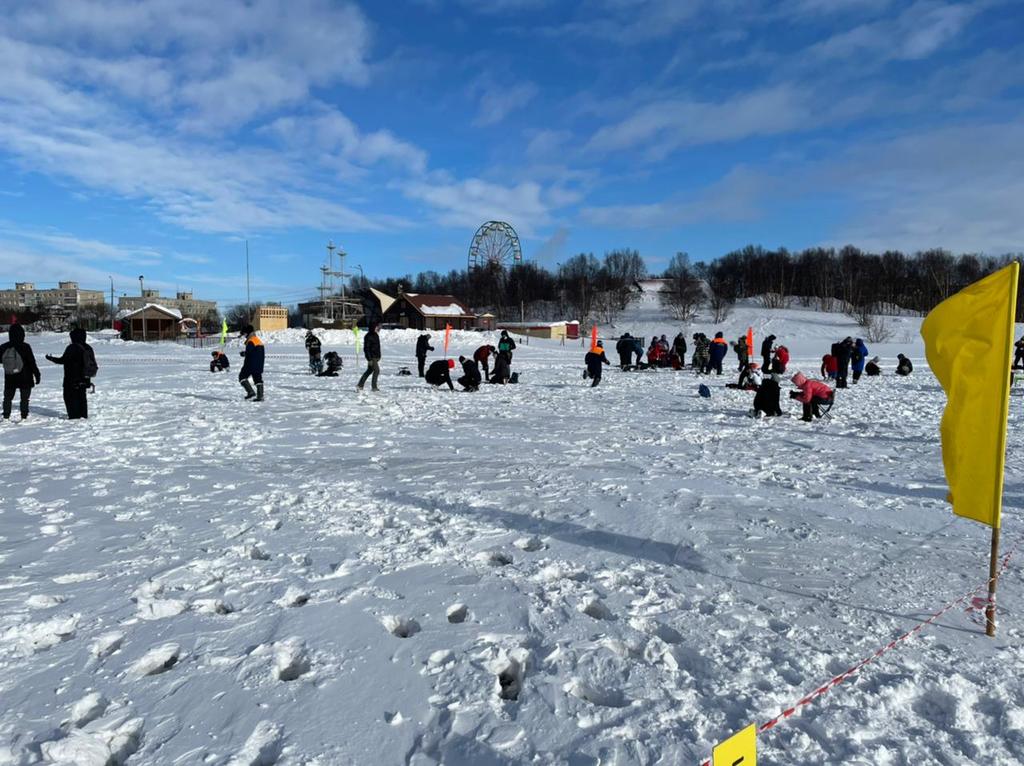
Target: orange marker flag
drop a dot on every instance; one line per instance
(593, 338)
(750, 341)
(447, 336)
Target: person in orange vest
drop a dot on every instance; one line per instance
(719, 348)
(255, 355)
(594, 359)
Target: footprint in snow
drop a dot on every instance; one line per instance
(596, 608)
(291, 659)
(401, 627)
(457, 613)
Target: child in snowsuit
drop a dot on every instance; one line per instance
(470, 379)
(905, 367)
(219, 362)
(766, 400)
(422, 347)
(718, 349)
(438, 374)
(812, 394)
(751, 378)
(859, 359)
(21, 372)
(829, 367)
(255, 354)
(594, 359)
(871, 369)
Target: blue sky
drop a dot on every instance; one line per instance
(155, 138)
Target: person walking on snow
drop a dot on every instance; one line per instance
(21, 372)
(766, 352)
(422, 347)
(812, 394)
(371, 350)
(313, 348)
(79, 361)
(439, 373)
(255, 355)
(470, 379)
(506, 344)
(859, 359)
(719, 348)
(594, 359)
(483, 356)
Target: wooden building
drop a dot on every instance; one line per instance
(270, 318)
(428, 312)
(151, 322)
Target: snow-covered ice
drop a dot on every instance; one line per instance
(539, 573)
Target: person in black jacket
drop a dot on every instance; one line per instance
(1018, 355)
(471, 378)
(439, 373)
(843, 352)
(75, 382)
(502, 369)
(594, 360)
(21, 372)
(905, 366)
(871, 369)
(766, 352)
(371, 350)
(219, 361)
(624, 348)
(331, 365)
(252, 367)
(422, 347)
(313, 348)
(766, 400)
(679, 347)
(506, 344)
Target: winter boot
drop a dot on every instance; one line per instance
(249, 393)
(259, 392)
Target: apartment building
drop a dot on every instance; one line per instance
(184, 302)
(66, 295)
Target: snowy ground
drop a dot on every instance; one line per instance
(541, 573)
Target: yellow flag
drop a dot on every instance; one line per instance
(968, 340)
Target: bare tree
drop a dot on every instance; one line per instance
(684, 291)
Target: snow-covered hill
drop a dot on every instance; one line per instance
(543, 573)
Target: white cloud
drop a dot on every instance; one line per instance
(470, 202)
(498, 101)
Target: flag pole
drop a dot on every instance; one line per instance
(993, 576)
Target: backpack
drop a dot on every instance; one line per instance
(704, 391)
(12, 361)
(89, 366)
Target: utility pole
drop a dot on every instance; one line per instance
(142, 292)
(330, 274)
(248, 295)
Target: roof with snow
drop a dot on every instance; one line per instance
(173, 313)
(437, 305)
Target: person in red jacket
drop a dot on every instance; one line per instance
(781, 360)
(829, 366)
(483, 356)
(812, 394)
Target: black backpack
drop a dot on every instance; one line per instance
(89, 366)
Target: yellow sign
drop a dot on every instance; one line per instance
(739, 750)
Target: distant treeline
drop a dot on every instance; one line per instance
(585, 287)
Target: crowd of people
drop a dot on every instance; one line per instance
(846, 361)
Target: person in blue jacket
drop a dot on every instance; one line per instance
(719, 348)
(252, 367)
(858, 359)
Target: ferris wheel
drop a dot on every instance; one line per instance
(495, 243)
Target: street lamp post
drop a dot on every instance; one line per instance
(142, 292)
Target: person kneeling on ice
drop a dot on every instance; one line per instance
(254, 354)
(594, 359)
(905, 366)
(751, 378)
(812, 394)
(471, 379)
(332, 365)
(438, 373)
(219, 362)
(502, 369)
(871, 369)
(766, 400)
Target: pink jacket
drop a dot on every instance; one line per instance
(809, 389)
